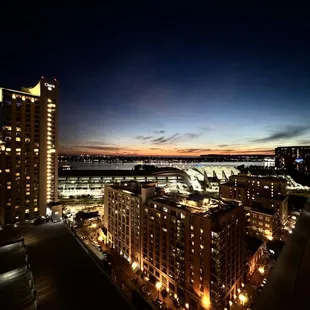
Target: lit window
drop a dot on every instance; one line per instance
(27, 211)
(35, 209)
(7, 170)
(14, 96)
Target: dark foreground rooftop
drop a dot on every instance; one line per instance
(288, 285)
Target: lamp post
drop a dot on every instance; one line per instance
(158, 286)
(243, 299)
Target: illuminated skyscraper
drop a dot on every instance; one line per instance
(28, 150)
(293, 157)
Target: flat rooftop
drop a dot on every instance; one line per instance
(10, 235)
(288, 285)
(263, 210)
(260, 178)
(12, 256)
(15, 291)
(132, 187)
(214, 207)
(252, 244)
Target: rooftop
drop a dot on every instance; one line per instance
(12, 256)
(132, 187)
(10, 235)
(19, 92)
(87, 215)
(259, 209)
(15, 290)
(256, 177)
(210, 208)
(119, 173)
(252, 244)
(288, 285)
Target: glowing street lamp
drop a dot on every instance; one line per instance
(134, 265)
(261, 270)
(158, 286)
(243, 299)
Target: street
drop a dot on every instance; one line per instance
(65, 276)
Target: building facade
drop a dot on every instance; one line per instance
(28, 152)
(122, 218)
(293, 157)
(92, 182)
(255, 253)
(268, 192)
(195, 252)
(265, 222)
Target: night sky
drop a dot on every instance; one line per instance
(166, 79)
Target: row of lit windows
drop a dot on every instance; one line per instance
(261, 217)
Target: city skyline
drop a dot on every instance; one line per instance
(165, 83)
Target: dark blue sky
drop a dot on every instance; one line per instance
(167, 78)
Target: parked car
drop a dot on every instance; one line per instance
(38, 220)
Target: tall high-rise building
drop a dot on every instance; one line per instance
(293, 157)
(28, 150)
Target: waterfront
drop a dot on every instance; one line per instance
(78, 165)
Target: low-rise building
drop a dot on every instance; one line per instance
(264, 222)
(122, 217)
(255, 250)
(269, 192)
(73, 183)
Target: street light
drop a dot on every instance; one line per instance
(261, 270)
(158, 287)
(243, 299)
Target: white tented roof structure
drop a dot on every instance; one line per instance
(220, 172)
